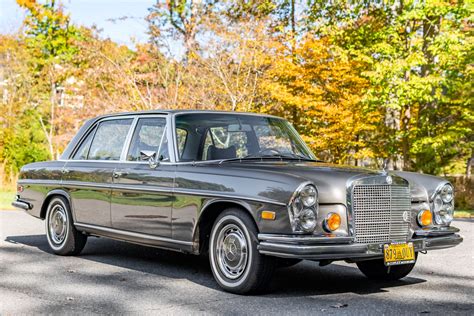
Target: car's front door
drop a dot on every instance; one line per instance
(87, 175)
(142, 196)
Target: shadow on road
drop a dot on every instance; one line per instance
(304, 279)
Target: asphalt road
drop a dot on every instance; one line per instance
(112, 277)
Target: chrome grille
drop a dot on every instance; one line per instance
(378, 213)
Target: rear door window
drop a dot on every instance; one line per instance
(83, 150)
(109, 139)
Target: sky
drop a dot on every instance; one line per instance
(90, 12)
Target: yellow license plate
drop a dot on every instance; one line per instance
(394, 254)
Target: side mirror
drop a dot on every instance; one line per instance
(150, 156)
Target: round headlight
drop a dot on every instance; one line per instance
(447, 193)
(443, 212)
(297, 206)
(308, 195)
(307, 219)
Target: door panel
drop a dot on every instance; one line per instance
(88, 175)
(89, 184)
(142, 198)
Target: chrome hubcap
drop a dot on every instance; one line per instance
(57, 224)
(231, 251)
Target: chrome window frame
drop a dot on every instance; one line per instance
(175, 138)
(128, 139)
(96, 127)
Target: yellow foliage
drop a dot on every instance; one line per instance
(318, 88)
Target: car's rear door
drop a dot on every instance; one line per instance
(87, 175)
(142, 196)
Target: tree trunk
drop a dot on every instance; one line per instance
(470, 163)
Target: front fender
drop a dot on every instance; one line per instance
(423, 187)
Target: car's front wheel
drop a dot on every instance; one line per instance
(236, 264)
(377, 270)
(63, 238)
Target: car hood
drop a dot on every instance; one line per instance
(332, 180)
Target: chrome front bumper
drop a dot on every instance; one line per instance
(344, 248)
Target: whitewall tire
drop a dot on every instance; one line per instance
(236, 264)
(62, 236)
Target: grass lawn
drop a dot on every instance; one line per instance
(464, 213)
(6, 199)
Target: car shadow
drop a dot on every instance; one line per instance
(303, 279)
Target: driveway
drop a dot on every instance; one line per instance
(112, 277)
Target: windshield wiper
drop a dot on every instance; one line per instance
(276, 156)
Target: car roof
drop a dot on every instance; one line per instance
(178, 112)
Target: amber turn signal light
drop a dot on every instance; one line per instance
(268, 215)
(425, 218)
(332, 222)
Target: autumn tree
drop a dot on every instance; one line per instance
(319, 90)
(49, 38)
(179, 19)
(418, 56)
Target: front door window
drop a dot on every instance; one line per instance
(149, 135)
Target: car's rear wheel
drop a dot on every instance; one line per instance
(377, 270)
(236, 264)
(63, 238)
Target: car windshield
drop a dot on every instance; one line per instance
(216, 136)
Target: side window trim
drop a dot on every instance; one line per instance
(92, 130)
(92, 139)
(161, 140)
(128, 139)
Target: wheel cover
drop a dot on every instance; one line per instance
(58, 224)
(231, 251)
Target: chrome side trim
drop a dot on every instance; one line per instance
(40, 182)
(129, 234)
(223, 195)
(143, 188)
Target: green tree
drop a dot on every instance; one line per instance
(418, 56)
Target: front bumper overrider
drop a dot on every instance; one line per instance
(345, 248)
